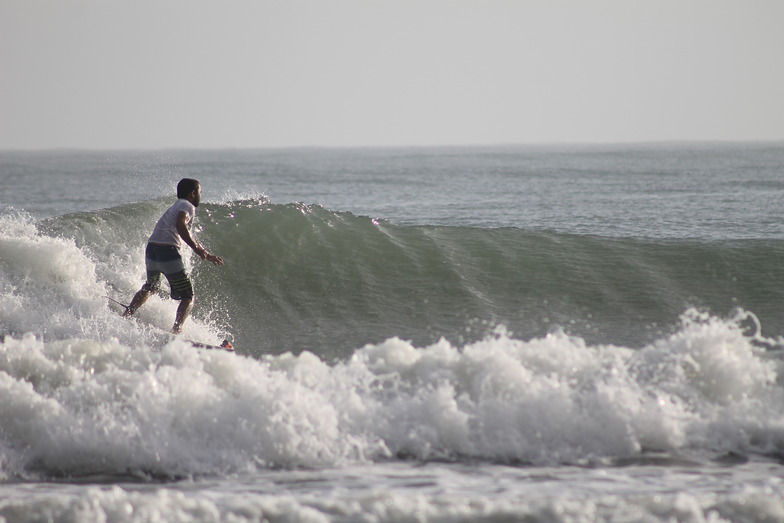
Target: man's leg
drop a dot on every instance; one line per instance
(183, 311)
(138, 300)
(150, 286)
(181, 289)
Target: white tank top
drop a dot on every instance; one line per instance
(165, 231)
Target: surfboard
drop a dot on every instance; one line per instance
(225, 345)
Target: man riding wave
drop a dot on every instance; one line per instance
(163, 253)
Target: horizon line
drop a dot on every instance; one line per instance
(671, 142)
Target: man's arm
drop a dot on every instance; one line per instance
(185, 234)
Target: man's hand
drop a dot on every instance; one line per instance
(212, 258)
(204, 255)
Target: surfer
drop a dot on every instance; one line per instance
(163, 253)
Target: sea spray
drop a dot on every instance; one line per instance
(79, 407)
(46, 283)
(55, 278)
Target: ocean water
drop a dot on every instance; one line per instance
(561, 333)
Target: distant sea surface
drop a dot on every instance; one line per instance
(549, 333)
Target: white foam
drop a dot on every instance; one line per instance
(46, 284)
(56, 286)
(112, 408)
(441, 498)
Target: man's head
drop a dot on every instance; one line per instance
(189, 189)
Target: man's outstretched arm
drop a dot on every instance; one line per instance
(185, 234)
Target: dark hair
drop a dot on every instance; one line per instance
(186, 186)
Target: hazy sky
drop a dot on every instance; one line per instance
(239, 73)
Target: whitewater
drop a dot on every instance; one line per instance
(586, 333)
